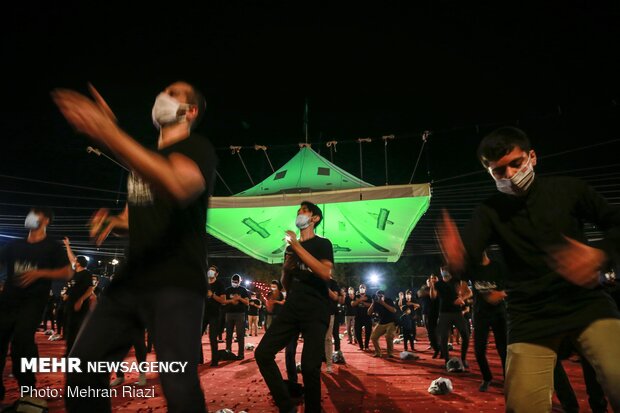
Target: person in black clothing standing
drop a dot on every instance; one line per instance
(552, 272)
(213, 306)
(363, 320)
(78, 300)
(308, 265)
(430, 314)
(163, 282)
(452, 294)
(274, 303)
(254, 306)
(349, 315)
(237, 301)
(489, 313)
(31, 264)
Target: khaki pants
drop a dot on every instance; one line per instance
(529, 366)
(349, 322)
(329, 345)
(384, 329)
(253, 324)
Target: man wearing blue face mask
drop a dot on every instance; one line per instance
(552, 274)
(307, 268)
(31, 264)
(163, 284)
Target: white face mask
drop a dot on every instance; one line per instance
(166, 110)
(362, 291)
(519, 182)
(211, 274)
(273, 289)
(302, 221)
(234, 284)
(32, 221)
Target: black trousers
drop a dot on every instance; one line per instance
(212, 321)
(408, 336)
(139, 346)
(18, 325)
(284, 329)
(359, 323)
(73, 322)
(173, 317)
(444, 327)
(430, 322)
(235, 321)
(482, 325)
(289, 358)
(336, 333)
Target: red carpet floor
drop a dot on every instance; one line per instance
(363, 384)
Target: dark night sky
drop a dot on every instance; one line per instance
(367, 71)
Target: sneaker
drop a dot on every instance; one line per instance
(117, 381)
(141, 380)
(484, 386)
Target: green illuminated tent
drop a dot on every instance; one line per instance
(365, 223)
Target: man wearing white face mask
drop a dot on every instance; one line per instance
(163, 284)
(307, 268)
(31, 264)
(216, 298)
(552, 274)
(236, 304)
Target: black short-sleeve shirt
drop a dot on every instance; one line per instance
(20, 256)
(82, 282)
(168, 241)
(251, 309)
(212, 307)
(230, 293)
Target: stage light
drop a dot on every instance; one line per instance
(374, 278)
(114, 261)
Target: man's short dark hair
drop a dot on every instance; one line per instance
(500, 142)
(197, 98)
(215, 268)
(278, 283)
(315, 211)
(80, 259)
(47, 212)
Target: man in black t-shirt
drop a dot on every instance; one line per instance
(452, 294)
(163, 282)
(552, 271)
(386, 311)
(349, 315)
(489, 313)
(363, 320)
(213, 306)
(236, 304)
(308, 265)
(253, 309)
(31, 264)
(78, 300)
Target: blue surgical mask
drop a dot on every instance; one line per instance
(32, 221)
(302, 221)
